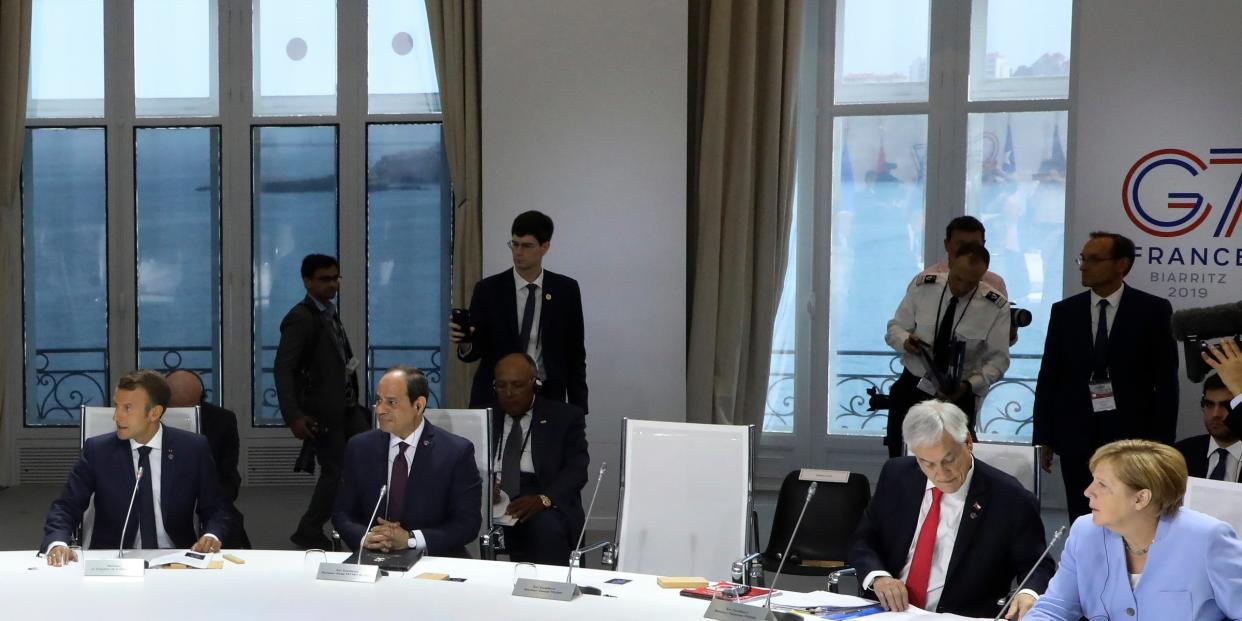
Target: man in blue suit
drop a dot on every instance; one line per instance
(541, 456)
(178, 479)
(434, 493)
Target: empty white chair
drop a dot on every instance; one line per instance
(1219, 499)
(1017, 460)
(685, 497)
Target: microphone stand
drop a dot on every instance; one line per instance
(577, 553)
(767, 605)
(121, 566)
(356, 571)
(120, 546)
(366, 529)
(1005, 606)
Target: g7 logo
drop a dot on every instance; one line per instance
(1197, 209)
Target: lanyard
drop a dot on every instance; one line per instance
(966, 307)
(525, 439)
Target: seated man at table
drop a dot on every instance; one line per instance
(978, 530)
(1215, 454)
(434, 493)
(541, 456)
(178, 480)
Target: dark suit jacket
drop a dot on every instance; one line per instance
(1142, 362)
(220, 427)
(494, 313)
(992, 551)
(443, 496)
(1195, 450)
(558, 448)
(105, 470)
(309, 371)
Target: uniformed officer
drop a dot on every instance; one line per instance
(952, 332)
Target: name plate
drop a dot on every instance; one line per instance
(824, 476)
(546, 589)
(725, 610)
(115, 567)
(348, 572)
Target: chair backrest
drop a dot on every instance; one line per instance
(97, 420)
(475, 426)
(1017, 460)
(828, 526)
(685, 497)
(1219, 499)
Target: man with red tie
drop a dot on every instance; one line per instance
(946, 532)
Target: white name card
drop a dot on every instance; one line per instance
(545, 589)
(348, 572)
(824, 476)
(115, 567)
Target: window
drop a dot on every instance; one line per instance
(166, 229)
(906, 107)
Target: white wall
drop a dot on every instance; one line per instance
(584, 118)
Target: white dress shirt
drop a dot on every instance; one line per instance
(1232, 456)
(417, 540)
(1114, 301)
(528, 464)
(534, 348)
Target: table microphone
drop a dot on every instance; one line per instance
(120, 547)
(603, 467)
(810, 491)
(366, 529)
(1005, 605)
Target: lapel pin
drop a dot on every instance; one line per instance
(170, 454)
(976, 507)
(973, 515)
(547, 296)
(426, 442)
(543, 422)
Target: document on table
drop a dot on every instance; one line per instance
(196, 560)
(800, 602)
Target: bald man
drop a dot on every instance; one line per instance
(220, 427)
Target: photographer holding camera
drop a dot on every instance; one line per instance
(952, 331)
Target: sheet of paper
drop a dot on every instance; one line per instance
(498, 511)
(185, 557)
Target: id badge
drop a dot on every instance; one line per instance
(352, 365)
(927, 385)
(1102, 398)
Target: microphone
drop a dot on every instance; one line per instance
(120, 546)
(1005, 605)
(767, 605)
(366, 529)
(603, 467)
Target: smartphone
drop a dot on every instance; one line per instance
(461, 317)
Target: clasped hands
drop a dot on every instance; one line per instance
(387, 536)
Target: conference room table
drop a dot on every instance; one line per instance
(282, 585)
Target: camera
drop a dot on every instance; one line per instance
(1193, 347)
(1019, 317)
(306, 458)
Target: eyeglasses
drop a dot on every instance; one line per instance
(528, 246)
(1208, 403)
(499, 386)
(1081, 260)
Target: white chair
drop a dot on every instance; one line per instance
(1018, 460)
(475, 426)
(1219, 499)
(685, 497)
(98, 421)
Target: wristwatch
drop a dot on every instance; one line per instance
(547, 502)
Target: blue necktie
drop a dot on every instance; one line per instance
(146, 501)
(1222, 458)
(1100, 370)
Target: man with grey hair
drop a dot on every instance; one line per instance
(946, 532)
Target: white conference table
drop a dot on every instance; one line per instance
(281, 584)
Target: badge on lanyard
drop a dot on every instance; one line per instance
(1102, 398)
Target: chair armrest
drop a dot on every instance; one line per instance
(608, 555)
(834, 578)
(492, 543)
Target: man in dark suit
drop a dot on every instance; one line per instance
(541, 455)
(1109, 369)
(529, 310)
(317, 387)
(220, 427)
(178, 480)
(434, 492)
(945, 531)
(1215, 454)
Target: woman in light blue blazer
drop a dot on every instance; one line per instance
(1139, 555)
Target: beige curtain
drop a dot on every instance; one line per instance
(14, 72)
(455, 42)
(743, 69)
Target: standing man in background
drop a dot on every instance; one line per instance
(528, 310)
(961, 230)
(1109, 370)
(317, 387)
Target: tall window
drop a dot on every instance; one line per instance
(956, 108)
(166, 209)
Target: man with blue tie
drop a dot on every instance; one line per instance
(178, 480)
(434, 492)
(1215, 454)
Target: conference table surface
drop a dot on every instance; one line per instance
(281, 584)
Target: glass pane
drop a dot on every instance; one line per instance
(175, 58)
(880, 58)
(1020, 49)
(778, 414)
(407, 251)
(65, 274)
(1015, 184)
(295, 214)
(66, 59)
(294, 57)
(178, 210)
(877, 248)
(401, 72)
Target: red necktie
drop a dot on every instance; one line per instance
(920, 567)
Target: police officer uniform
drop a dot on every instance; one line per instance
(979, 319)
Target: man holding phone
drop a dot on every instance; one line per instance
(526, 309)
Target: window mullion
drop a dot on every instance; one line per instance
(119, 113)
(352, 166)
